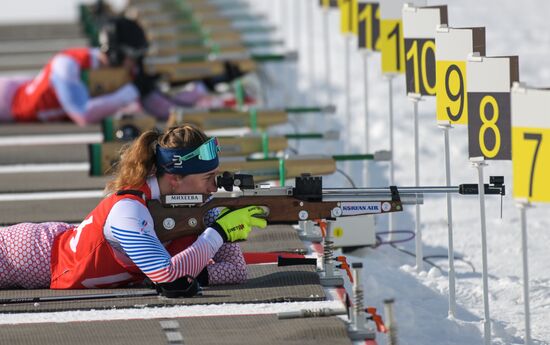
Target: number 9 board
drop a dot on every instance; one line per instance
(454, 45)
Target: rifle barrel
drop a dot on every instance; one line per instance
(402, 190)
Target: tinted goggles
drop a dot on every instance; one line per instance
(202, 159)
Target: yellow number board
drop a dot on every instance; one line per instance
(348, 16)
(453, 48)
(328, 3)
(531, 143)
(451, 101)
(392, 46)
(419, 24)
(368, 25)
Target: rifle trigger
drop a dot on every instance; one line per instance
(395, 194)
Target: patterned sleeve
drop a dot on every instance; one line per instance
(229, 266)
(130, 226)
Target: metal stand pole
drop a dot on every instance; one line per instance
(297, 14)
(479, 163)
(366, 102)
(392, 180)
(445, 125)
(288, 29)
(310, 42)
(347, 82)
(523, 205)
(366, 98)
(291, 43)
(326, 34)
(415, 98)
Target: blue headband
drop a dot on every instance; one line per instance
(187, 161)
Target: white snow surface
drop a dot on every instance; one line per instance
(421, 299)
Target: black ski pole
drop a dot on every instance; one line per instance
(23, 300)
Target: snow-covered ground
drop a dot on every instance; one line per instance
(421, 308)
(512, 28)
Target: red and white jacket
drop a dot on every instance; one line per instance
(84, 258)
(58, 92)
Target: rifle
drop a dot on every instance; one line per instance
(183, 215)
(210, 26)
(192, 64)
(130, 127)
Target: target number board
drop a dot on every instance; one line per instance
(489, 119)
(531, 143)
(419, 25)
(368, 25)
(348, 16)
(454, 45)
(328, 3)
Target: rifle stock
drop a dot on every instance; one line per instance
(220, 119)
(105, 80)
(183, 215)
(179, 72)
(162, 49)
(229, 35)
(206, 120)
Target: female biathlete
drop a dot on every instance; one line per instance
(116, 244)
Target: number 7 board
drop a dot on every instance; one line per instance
(531, 143)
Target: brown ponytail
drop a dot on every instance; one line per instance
(137, 160)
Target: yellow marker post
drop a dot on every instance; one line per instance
(368, 31)
(419, 25)
(392, 47)
(531, 143)
(531, 163)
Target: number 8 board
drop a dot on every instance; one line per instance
(489, 121)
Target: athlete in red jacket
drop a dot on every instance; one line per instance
(116, 244)
(59, 93)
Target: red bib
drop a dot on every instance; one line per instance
(82, 257)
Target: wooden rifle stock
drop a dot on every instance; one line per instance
(106, 80)
(219, 119)
(172, 222)
(190, 220)
(179, 72)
